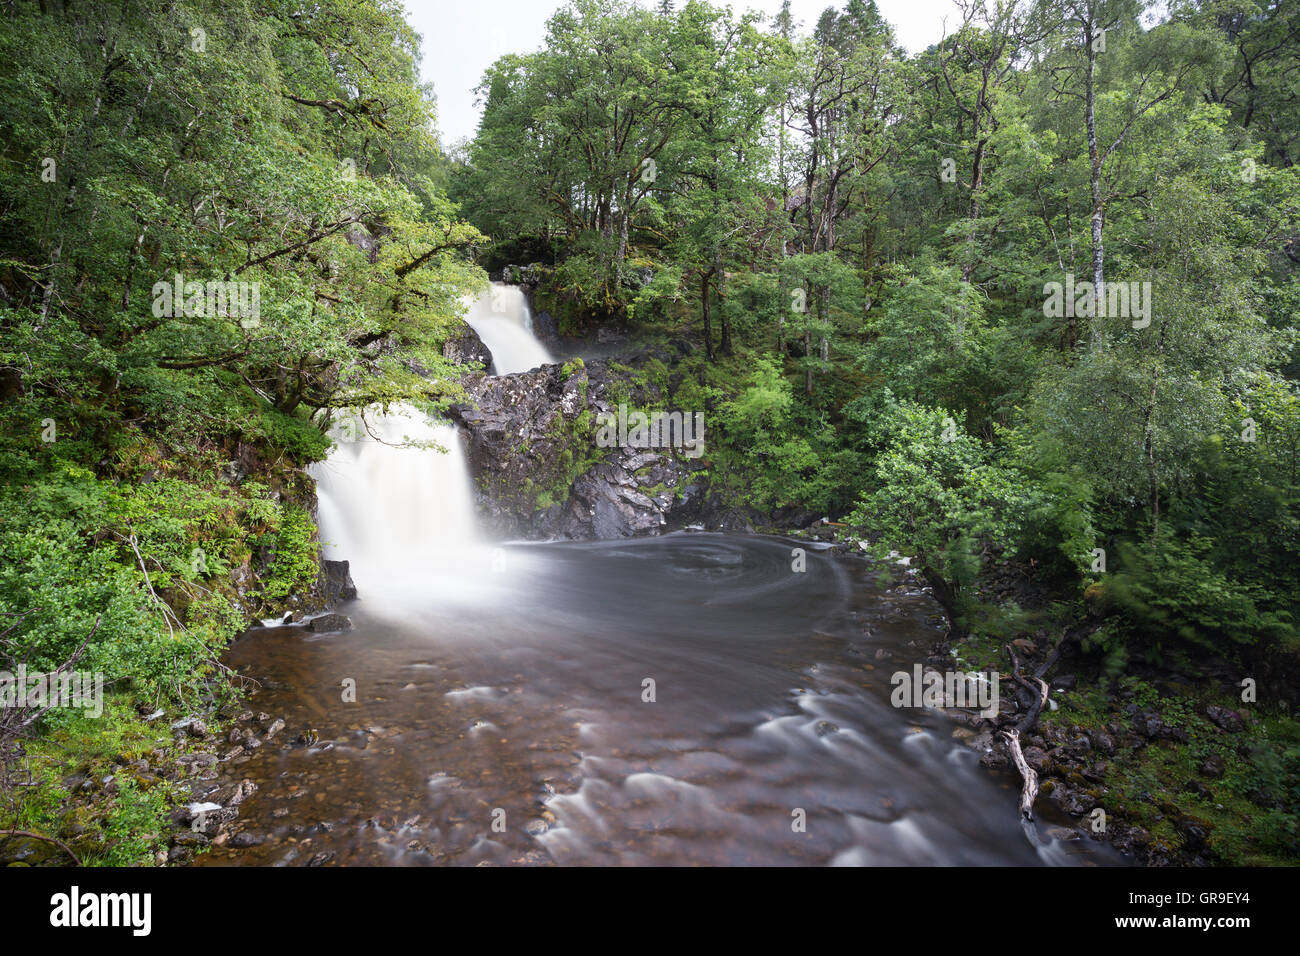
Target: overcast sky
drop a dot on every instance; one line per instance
(461, 38)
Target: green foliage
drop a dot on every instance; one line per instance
(940, 498)
(1170, 591)
(293, 564)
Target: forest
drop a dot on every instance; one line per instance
(1020, 306)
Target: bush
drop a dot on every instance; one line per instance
(1169, 591)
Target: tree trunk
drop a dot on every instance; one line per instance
(1094, 179)
(720, 285)
(708, 319)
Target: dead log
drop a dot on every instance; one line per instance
(1041, 692)
(1029, 791)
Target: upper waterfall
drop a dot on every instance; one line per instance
(500, 317)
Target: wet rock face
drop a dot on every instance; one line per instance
(540, 473)
(466, 348)
(336, 582)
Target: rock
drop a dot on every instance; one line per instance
(540, 473)
(1194, 833)
(1212, 767)
(825, 728)
(1064, 682)
(336, 582)
(234, 794)
(1102, 743)
(25, 851)
(1225, 719)
(242, 841)
(1198, 788)
(1177, 733)
(1037, 759)
(1096, 772)
(196, 761)
(329, 622)
(995, 760)
(194, 726)
(464, 347)
(1074, 802)
(1149, 725)
(180, 855)
(275, 728)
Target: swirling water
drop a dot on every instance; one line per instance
(686, 699)
(509, 721)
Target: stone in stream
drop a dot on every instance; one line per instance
(336, 582)
(329, 622)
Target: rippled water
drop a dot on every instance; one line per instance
(516, 702)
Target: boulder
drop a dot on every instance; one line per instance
(1225, 719)
(337, 582)
(540, 472)
(325, 623)
(466, 348)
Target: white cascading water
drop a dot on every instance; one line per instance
(500, 317)
(403, 514)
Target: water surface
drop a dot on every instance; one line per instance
(500, 718)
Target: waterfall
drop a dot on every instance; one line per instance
(401, 512)
(501, 319)
(392, 508)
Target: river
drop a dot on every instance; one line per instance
(691, 698)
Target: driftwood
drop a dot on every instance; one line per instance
(1029, 792)
(1039, 688)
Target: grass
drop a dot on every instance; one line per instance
(123, 824)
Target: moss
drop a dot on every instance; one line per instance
(123, 824)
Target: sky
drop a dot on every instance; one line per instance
(461, 38)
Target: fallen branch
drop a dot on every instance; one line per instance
(1041, 692)
(1029, 792)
